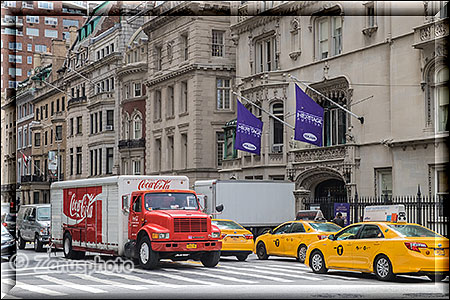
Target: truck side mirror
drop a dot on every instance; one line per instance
(219, 208)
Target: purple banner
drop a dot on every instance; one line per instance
(309, 119)
(344, 209)
(248, 131)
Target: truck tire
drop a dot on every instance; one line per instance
(261, 251)
(210, 259)
(22, 242)
(38, 245)
(242, 257)
(148, 259)
(301, 253)
(67, 247)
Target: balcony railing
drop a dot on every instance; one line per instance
(430, 32)
(80, 99)
(124, 144)
(31, 178)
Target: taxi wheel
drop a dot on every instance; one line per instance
(242, 257)
(437, 277)
(383, 268)
(317, 263)
(301, 253)
(261, 251)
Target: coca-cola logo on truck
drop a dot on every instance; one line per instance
(159, 184)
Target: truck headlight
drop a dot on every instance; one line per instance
(215, 235)
(160, 235)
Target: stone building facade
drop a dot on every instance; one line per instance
(191, 65)
(387, 68)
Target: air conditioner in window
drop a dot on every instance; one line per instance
(109, 127)
(277, 148)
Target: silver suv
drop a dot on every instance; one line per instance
(33, 225)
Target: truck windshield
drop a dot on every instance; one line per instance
(43, 214)
(226, 224)
(413, 231)
(170, 201)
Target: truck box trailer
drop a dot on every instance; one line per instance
(156, 216)
(256, 205)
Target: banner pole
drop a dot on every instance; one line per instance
(273, 116)
(361, 119)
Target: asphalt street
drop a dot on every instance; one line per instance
(41, 276)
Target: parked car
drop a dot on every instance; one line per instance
(236, 240)
(383, 248)
(9, 221)
(33, 225)
(8, 245)
(291, 239)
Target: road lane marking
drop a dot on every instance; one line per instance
(250, 275)
(280, 269)
(176, 277)
(339, 276)
(72, 285)
(110, 282)
(203, 273)
(34, 288)
(290, 267)
(140, 279)
(277, 273)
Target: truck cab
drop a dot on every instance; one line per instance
(170, 224)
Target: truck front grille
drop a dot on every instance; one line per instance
(190, 225)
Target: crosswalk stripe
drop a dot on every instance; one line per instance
(251, 275)
(34, 288)
(72, 285)
(277, 273)
(176, 277)
(109, 282)
(280, 269)
(302, 267)
(147, 281)
(203, 273)
(338, 276)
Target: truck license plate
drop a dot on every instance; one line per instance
(439, 252)
(191, 246)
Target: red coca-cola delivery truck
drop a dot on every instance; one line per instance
(142, 217)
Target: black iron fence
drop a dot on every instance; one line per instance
(430, 211)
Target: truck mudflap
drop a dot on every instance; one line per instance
(183, 246)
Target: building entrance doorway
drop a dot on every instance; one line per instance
(333, 188)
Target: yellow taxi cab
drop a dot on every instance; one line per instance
(236, 240)
(386, 248)
(291, 239)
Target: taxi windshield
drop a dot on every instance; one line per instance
(43, 214)
(325, 227)
(226, 224)
(413, 231)
(165, 201)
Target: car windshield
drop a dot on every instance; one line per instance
(170, 201)
(413, 231)
(325, 227)
(43, 214)
(226, 224)
(10, 218)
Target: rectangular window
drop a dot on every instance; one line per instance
(384, 181)
(51, 21)
(79, 125)
(184, 97)
(337, 35)
(109, 160)
(32, 19)
(100, 161)
(184, 151)
(68, 23)
(158, 154)
(45, 4)
(40, 48)
(30, 47)
(157, 105)
(158, 58)
(58, 136)
(63, 100)
(52, 108)
(37, 167)
(137, 89)
(15, 46)
(19, 139)
(110, 119)
(51, 33)
(100, 128)
(137, 167)
(46, 110)
(71, 161)
(323, 39)
(57, 105)
(71, 126)
(32, 31)
(223, 93)
(29, 60)
(96, 122)
(170, 101)
(217, 43)
(170, 152)
(79, 161)
(220, 142)
(91, 156)
(15, 58)
(266, 51)
(46, 138)
(184, 46)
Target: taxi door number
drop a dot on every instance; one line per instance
(439, 252)
(191, 246)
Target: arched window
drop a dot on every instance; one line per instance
(441, 98)
(137, 127)
(277, 128)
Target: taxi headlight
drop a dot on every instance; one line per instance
(161, 235)
(215, 235)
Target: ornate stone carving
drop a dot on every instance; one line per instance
(320, 154)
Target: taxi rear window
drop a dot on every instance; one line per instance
(325, 227)
(413, 231)
(227, 225)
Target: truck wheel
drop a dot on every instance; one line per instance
(317, 263)
(38, 246)
(22, 242)
(383, 268)
(148, 259)
(67, 247)
(242, 257)
(301, 253)
(261, 251)
(210, 259)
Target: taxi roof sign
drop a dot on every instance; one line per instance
(385, 213)
(313, 215)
